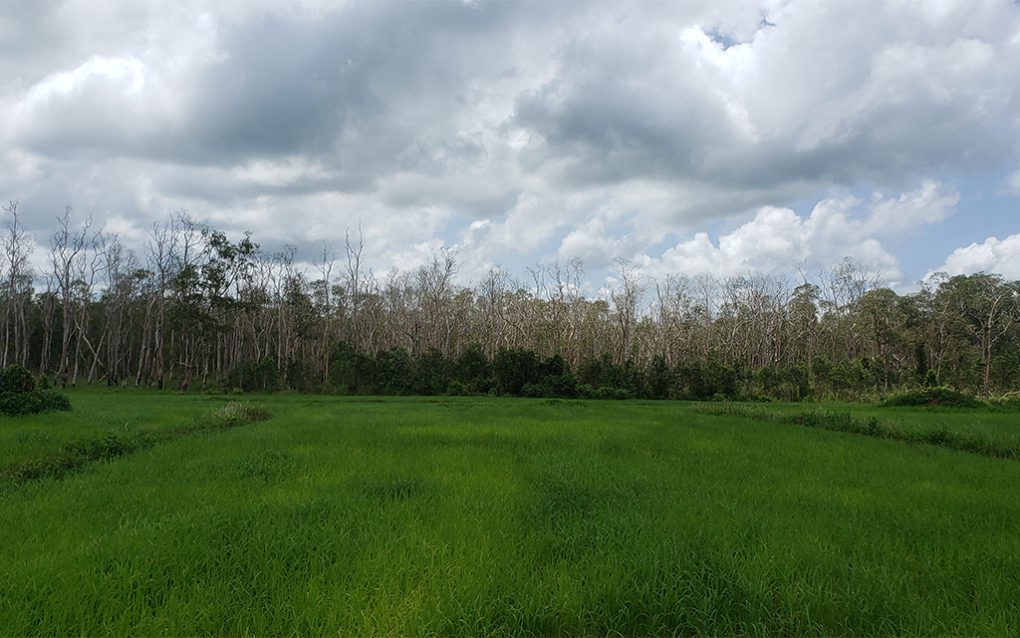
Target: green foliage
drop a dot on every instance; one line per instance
(16, 379)
(660, 378)
(21, 394)
(53, 400)
(522, 372)
(256, 376)
(431, 373)
(230, 415)
(394, 372)
(473, 368)
(457, 389)
(616, 394)
(351, 372)
(933, 397)
(513, 369)
(601, 372)
(300, 376)
(784, 384)
(703, 382)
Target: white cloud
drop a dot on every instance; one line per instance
(779, 240)
(1013, 183)
(993, 255)
(590, 243)
(929, 204)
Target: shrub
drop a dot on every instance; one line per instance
(20, 394)
(53, 400)
(17, 379)
(934, 397)
(513, 369)
(618, 394)
(457, 389)
(532, 390)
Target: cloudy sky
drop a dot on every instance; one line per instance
(727, 137)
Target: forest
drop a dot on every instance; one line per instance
(197, 310)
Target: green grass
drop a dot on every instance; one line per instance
(95, 413)
(486, 516)
(80, 454)
(999, 427)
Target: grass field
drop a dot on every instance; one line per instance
(998, 424)
(496, 516)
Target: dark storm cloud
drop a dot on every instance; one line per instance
(608, 114)
(28, 39)
(363, 85)
(790, 105)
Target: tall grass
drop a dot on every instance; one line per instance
(976, 441)
(496, 517)
(74, 456)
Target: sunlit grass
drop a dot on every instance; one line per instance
(483, 516)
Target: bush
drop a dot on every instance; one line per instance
(53, 400)
(532, 390)
(457, 389)
(513, 369)
(20, 394)
(618, 394)
(16, 379)
(561, 386)
(933, 397)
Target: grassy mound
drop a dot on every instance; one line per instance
(933, 397)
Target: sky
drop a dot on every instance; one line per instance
(730, 137)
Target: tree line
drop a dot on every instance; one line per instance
(195, 309)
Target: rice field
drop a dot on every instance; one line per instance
(485, 516)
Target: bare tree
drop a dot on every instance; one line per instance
(626, 298)
(67, 250)
(354, 283)
(325, 265)
(17, 249)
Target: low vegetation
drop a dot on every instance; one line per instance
(21, 393)
(1009, 401)
(81, 453)
(974, 440)
(933, 397)
(483, 516)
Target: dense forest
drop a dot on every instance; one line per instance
(198, 310)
